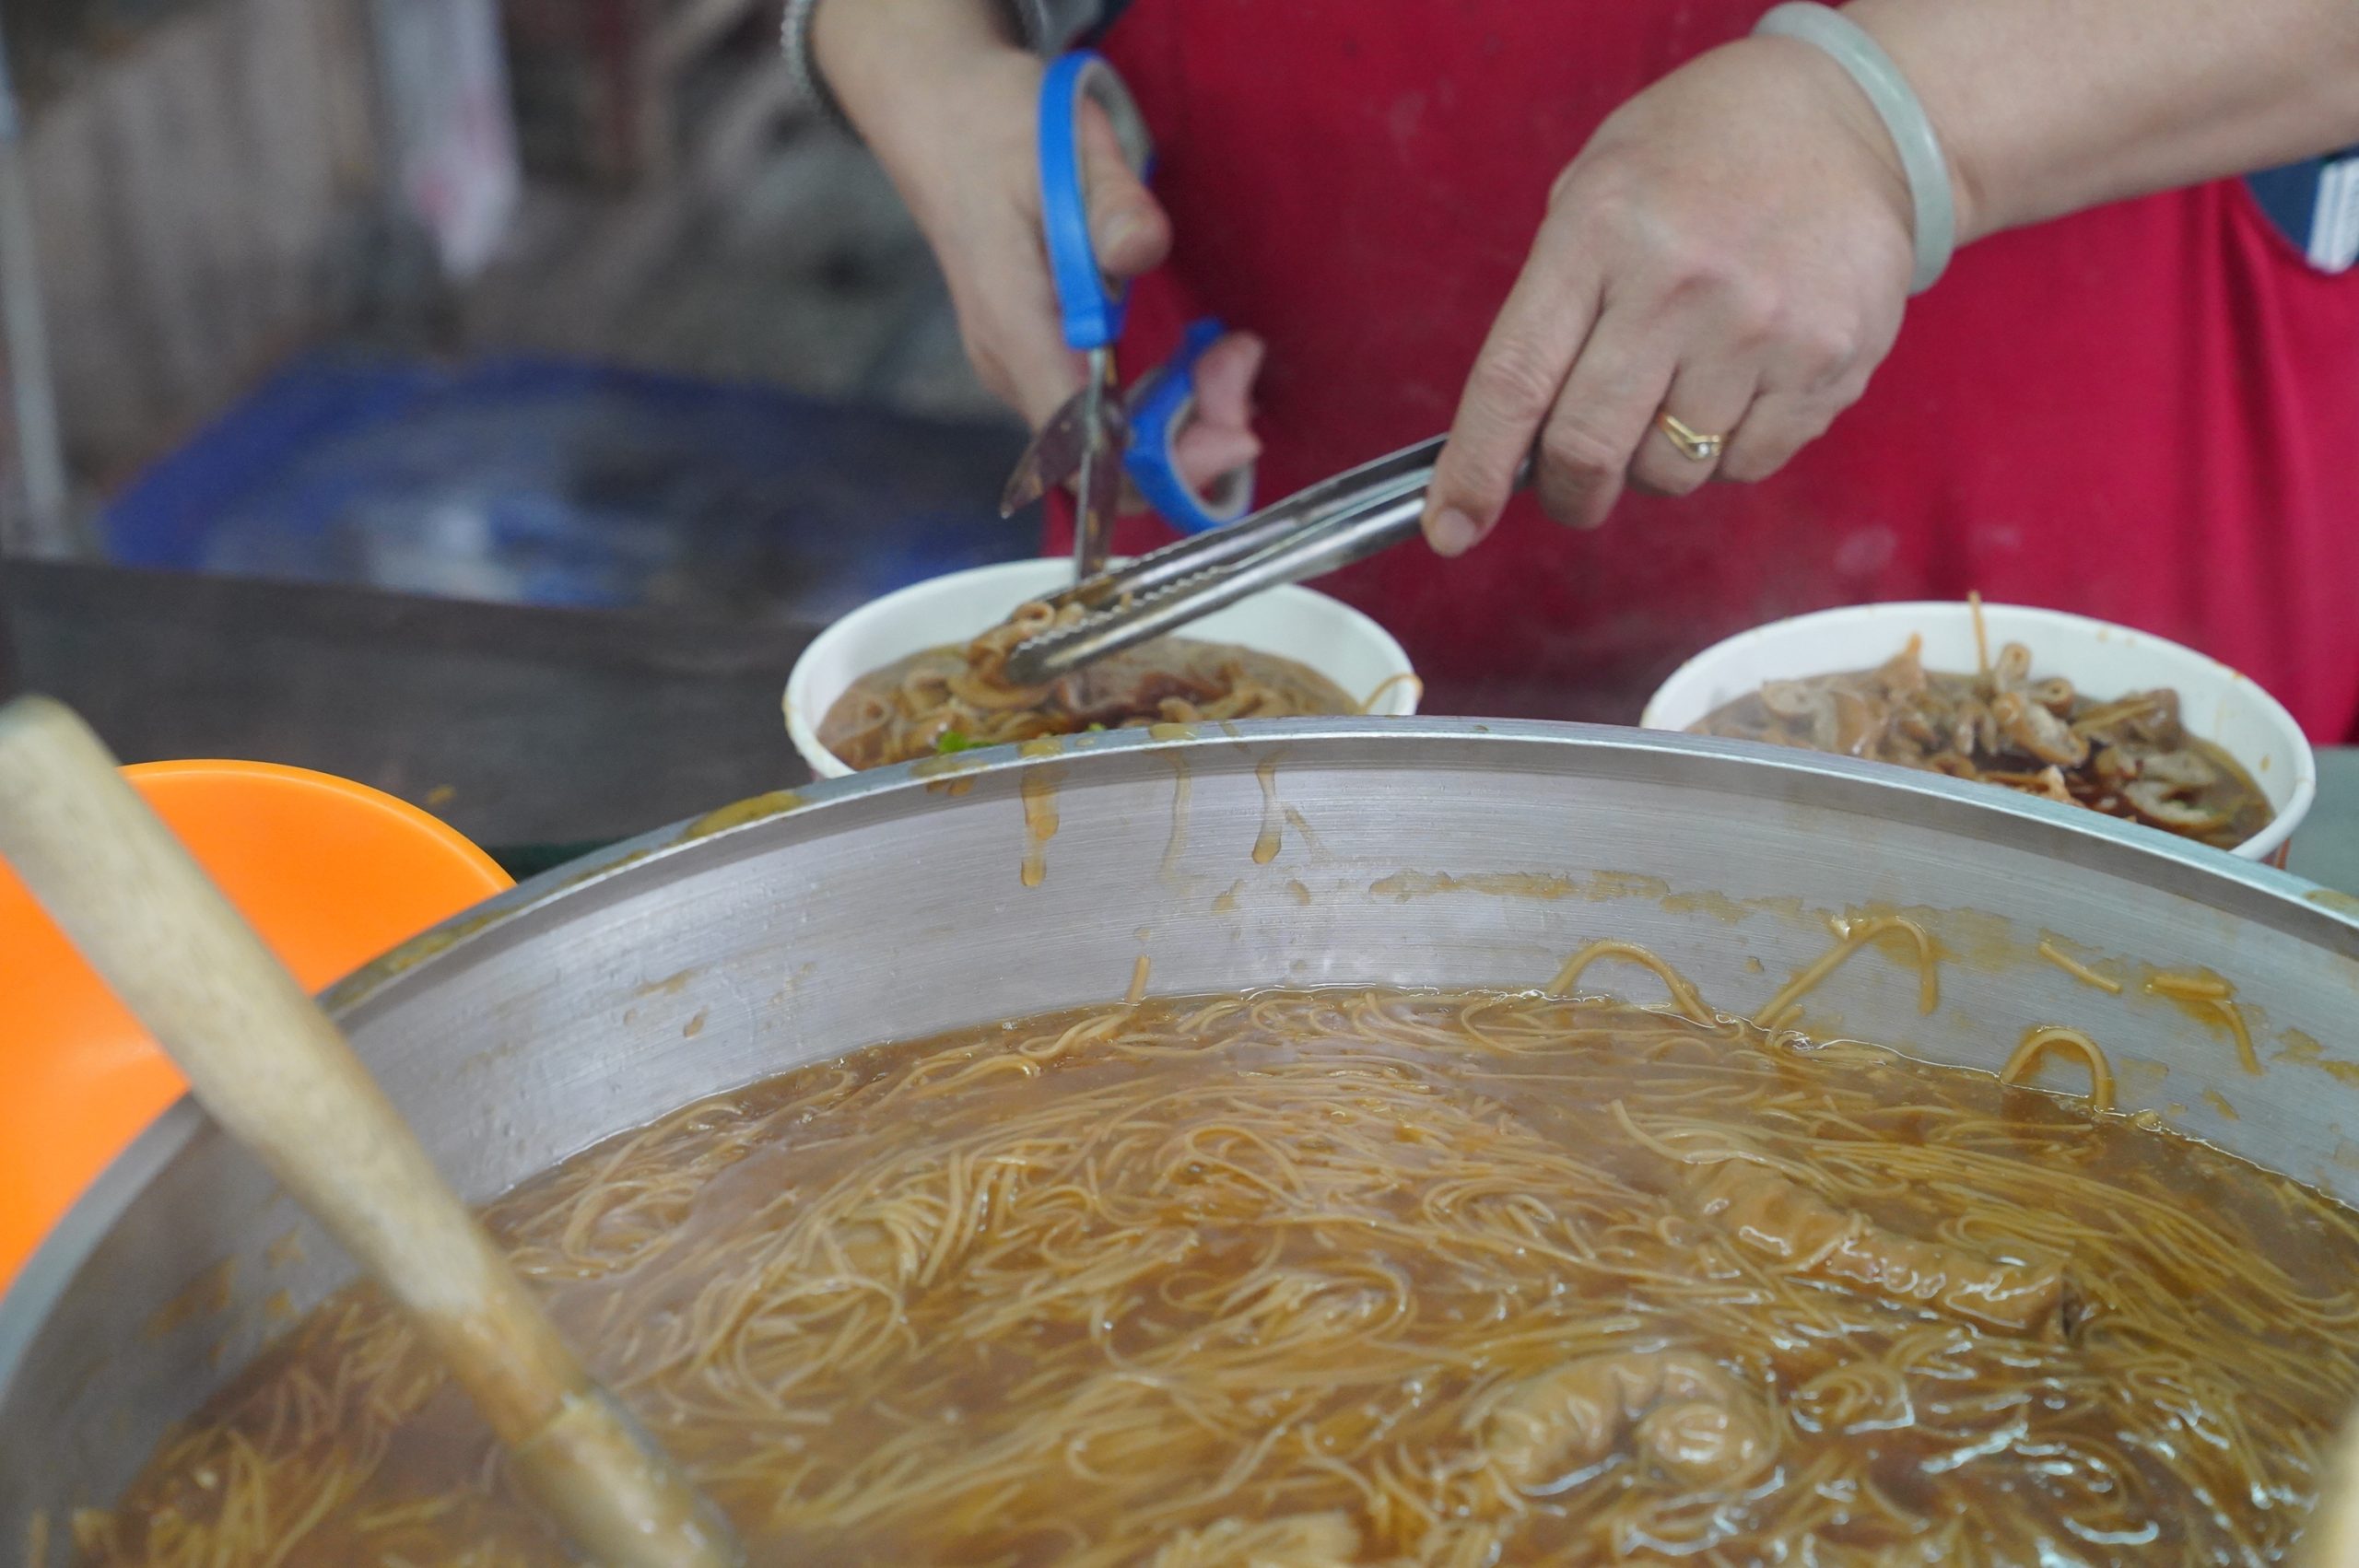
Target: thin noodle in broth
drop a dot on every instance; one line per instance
(1362, 1277)
(959, 698)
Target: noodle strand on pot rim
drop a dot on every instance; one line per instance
(2038, 1042)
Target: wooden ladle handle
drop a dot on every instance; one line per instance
(268, 1065)
(2330, 1539)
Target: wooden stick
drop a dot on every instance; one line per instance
(2332, 1537)
(271, 1068)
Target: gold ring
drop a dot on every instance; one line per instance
(1693, 445)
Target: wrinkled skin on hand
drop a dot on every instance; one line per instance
(1734, 247)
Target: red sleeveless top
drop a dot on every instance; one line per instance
(2148, 413)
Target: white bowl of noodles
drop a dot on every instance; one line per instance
(2101, 660)
(1324, 636)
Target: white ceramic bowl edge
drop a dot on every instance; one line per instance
(2098, 657)
(1329, 635)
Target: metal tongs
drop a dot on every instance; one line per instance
(1354, 515)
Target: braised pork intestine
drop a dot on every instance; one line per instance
(2129, 756)
(952, 698)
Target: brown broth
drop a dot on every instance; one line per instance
(901, 711)
(1068, 1290)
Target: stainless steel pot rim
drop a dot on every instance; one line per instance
(1980, 810)
(1974, 813)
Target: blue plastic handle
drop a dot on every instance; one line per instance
(1091, 309)
(1155, 423)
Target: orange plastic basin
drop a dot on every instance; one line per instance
(330, 872)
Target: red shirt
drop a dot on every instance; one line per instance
(2148, 413)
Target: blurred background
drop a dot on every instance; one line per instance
(547, 300)
(538, 360)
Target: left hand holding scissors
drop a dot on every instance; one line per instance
(1101, 435)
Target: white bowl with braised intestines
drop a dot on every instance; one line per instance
(2102, 660)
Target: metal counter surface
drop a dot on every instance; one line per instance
(2326, 847)
(516, 725)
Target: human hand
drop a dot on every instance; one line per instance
(951, 109)
(1734, 248)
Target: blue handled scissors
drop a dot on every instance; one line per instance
(1099, 435)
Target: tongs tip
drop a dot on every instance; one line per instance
(1332, 525)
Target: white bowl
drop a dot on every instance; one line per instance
(1311, 629)
(2099, 659)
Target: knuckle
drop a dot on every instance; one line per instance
(1762, 454)
(1847, 389)
(1827, 345)
(1751, 464)
(1807, 420)
(1578, 503)
(1836, 346)
(1514, 379)
(1837, 387)
(1682, 478)
(1755, 304)
(1732, 300)
(1573, 447)
(1563, 503)
(1702, 269)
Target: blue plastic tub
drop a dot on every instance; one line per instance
(540, 482)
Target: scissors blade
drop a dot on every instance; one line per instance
(1054, 456)
(1100, 483)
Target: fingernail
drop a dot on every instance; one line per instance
(1451, 532)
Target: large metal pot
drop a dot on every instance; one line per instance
(1311, 853)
